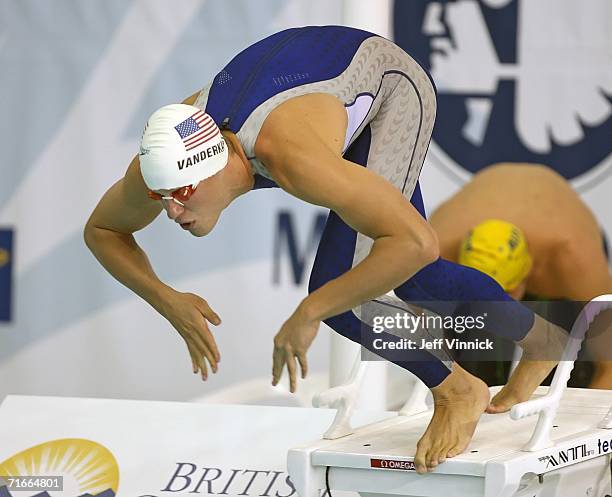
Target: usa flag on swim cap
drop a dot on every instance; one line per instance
(196, 129)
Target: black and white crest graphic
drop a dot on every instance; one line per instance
(517, 80)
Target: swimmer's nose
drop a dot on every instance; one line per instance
(173, 209)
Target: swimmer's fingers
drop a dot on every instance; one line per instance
(207, 311)
(278, 361)
(197, 362)
(281, 357)
(209, 316)
(209, 340)
(196, 334)
(301, 357)
(189, 314)
(200, 333)
(204, 349)
(292, 368)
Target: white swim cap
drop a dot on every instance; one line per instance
(181, 145)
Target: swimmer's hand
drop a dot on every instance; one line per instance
(190, 314)
(291, 343)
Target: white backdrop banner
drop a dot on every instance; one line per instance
(79, 79)
(517, 81)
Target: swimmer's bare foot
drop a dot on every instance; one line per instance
(542, 349)
(522, 383)
(459, 402)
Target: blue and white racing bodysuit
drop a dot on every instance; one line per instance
(391, 106)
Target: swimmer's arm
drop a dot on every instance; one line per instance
(123, 210)
(403, 241)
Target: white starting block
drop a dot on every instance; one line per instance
(378, 458)
(566, 452)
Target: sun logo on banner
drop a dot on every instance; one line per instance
(87, 467)
(517, 81)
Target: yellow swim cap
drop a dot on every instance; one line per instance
(499, 249)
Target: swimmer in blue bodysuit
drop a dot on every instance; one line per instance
(340, 118)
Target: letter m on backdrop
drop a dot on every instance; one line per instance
(286, 240)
